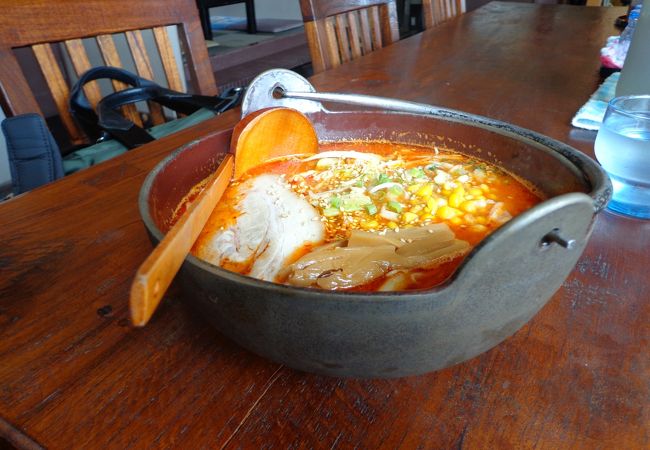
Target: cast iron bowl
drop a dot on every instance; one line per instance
(500, 285)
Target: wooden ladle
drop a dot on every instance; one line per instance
(260, 136)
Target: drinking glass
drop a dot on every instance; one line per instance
(623, 149)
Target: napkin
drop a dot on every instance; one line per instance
(591, 115)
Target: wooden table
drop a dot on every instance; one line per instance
(74, 374)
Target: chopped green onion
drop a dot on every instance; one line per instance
(354, 202)
(371, 208)
(395, 206)
(395, 190)
(416, 172)
(383, 178)
(335, 202)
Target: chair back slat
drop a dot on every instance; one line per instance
(375, 27)
(59, 89)
(168, 59)
(440, 10)
(143, 67)
(342, 38)
(16, 96)
(436, 12)
(332, 50)
(81, 64)
(343, 30)
(366, 39)
(317, 52)
(111, 57)
(355, 39)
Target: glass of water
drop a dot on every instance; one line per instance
(623, 149)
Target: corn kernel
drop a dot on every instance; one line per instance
(481, 220)
(456, 220)
(392, 225)
(432, 204)
(416, 209)
(469, 206)
(449, 186)
(442, 202)
(414, 188)
(426, 217)
(457, 197)
(409, 217)
(369, 225)
(476, 192)
(426, 190)
(484, 187)
(478, 228)
(447, 212)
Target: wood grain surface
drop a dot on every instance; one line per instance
(74, 374)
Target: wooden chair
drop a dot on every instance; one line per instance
(341, 30)
(54, 29)
(435, 12)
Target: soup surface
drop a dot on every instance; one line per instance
(360, 216)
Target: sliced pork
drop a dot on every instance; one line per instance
(272, 224)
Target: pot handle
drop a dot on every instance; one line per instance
(515, 270)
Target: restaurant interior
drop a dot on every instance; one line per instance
(325, 224)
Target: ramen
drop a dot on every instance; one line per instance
(360, 216)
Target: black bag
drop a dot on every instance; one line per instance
(108, 119)
(34, 157)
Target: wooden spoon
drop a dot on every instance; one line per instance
(270, 133)
(262, 135)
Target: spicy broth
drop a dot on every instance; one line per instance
(384, 187)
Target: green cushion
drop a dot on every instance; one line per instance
(103, 151)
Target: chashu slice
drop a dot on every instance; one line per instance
(272, 225)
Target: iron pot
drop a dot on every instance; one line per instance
(500, 285)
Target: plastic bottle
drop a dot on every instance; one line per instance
(633, 4)
(635, 76)
(625, 38)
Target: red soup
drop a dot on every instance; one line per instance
(363, 216)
